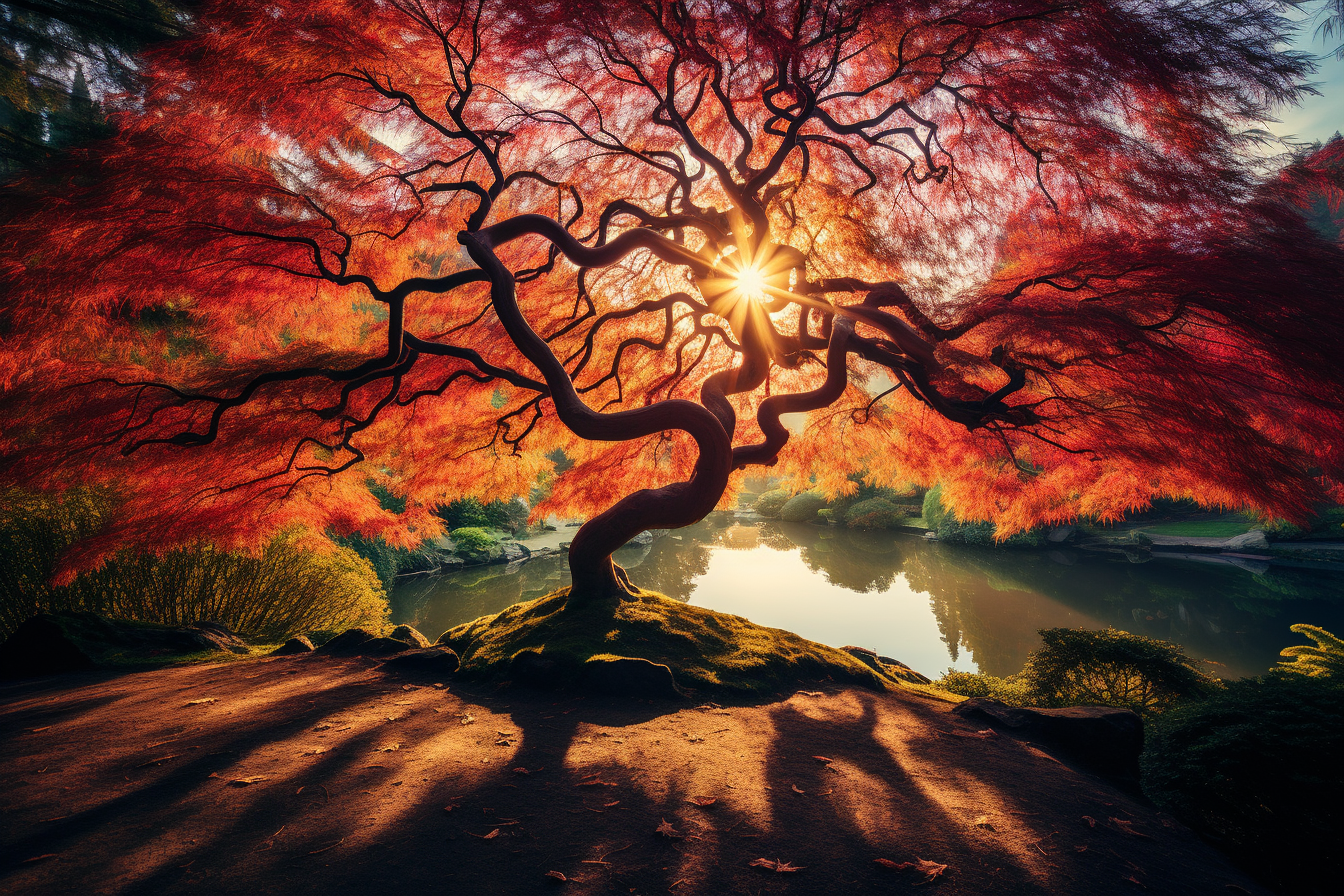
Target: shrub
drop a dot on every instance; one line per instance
(1255, 768)
(953, 531)
(802, 508)
(1010, 690)
(386, 560)
(875, 513)
(1111, 668)
(473, 542)
(284, 590)
(463, 513)
(771, 503)
(1325, 660)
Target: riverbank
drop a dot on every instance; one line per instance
(313, 774)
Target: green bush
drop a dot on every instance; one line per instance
(874, 513)
(771, 503)
(1111, 668)
(508, 516)
(1009, 690)
(953, 531)
(802, 508)
(1325, 660)
(473, 542)
(1108, 668)
(284, 590)
(1256, 769)
(386, 560)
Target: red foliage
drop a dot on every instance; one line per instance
(324, 242)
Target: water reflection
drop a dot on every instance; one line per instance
(933, 606)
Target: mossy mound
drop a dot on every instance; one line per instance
(711, 652)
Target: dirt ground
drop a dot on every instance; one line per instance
(316, 775)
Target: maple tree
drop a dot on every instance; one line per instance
(1018, 246)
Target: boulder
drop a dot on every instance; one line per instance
(534, 669)
(301, 644)
(409, 635)
(645, 537)
(898, 669)
(50, 643)
(624, 676)
(512, 552)
(357, 642)
(1062, 534)
(427, 661)
(347, 642)
(1103, 739)
(1253, 539)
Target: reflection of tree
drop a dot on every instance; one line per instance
(672, 566)
(859, 561)
(991, 601)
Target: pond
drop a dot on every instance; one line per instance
(933, 606)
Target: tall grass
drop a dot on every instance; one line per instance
(281, 591)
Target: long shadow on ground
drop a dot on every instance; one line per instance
(314, 775)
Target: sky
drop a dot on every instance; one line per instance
(1318, 117)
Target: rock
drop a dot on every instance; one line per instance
(1253, 539)
(301, 644)
(534, 669)
(1062, 534)
(357, 642)
(898, 669)
(50, 643)
(450, 563)
(409, 635)
(347, 642)
(512, 552)
(630, 677)
(427, 660)
(382, 647)
(645, 537)
(1103, 739)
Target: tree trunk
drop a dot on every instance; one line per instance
(595, 579)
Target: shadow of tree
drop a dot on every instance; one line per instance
(363, 781)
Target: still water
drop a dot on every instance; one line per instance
(932, 606)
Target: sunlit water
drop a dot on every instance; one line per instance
(929, 605)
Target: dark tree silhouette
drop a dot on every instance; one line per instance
(1016, 245)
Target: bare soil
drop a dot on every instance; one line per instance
(316, 775)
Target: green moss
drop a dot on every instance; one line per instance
(802, 508)
(715, 652)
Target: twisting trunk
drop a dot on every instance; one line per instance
(594, 577)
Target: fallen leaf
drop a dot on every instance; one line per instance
(449, 808)
(668, 831)
(467, 719)
(41, 858)
(796, 789)
(808, 694)
(315, 751)
(702, 801)
(1127, 827)
(1090, 821)
(521, 771)
(594, 783)
(203, 700)
(931, 870)
(610, 804)
(982, 821)
(490, 836)
(243, 782)
(774, 865)
(390, 748)
(556, 875)
(826, 759)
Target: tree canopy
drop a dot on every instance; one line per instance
(1018, 246)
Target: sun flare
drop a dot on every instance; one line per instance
(751, 283)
